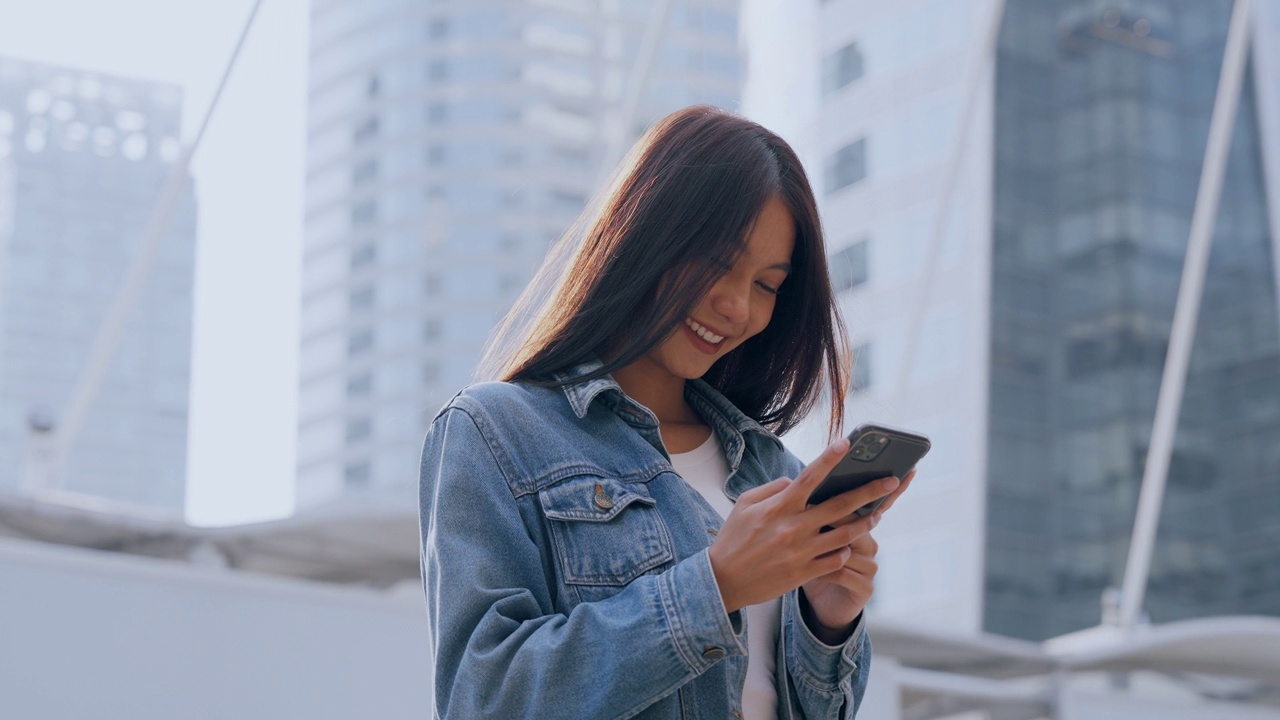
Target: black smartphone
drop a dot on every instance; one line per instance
(875, 451)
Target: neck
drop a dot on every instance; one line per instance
(659, 391)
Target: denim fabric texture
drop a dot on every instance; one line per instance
(566, 568)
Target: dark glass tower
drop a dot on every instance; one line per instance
(1102, 117)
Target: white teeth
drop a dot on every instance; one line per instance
(703, 333)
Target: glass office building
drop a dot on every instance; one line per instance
(83, 160)
(1102, 117)
(449, 144)
(1045, 321)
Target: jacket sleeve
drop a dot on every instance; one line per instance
(825, 681)
(500, 649)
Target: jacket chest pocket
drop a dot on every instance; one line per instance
(606, 533)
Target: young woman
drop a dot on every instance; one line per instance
(615, 530)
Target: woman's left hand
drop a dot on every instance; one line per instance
(835, 600)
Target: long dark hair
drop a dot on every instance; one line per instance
(676, 217)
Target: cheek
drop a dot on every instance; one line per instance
(762, 313)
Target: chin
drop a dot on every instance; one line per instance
(695, 369)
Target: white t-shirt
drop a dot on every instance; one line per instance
(706, 469)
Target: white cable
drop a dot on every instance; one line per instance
(1173, 382)
(72, 419)
(637, 80)
(983, 61)
(1265, 55)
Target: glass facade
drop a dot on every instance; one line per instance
(450, 144)
(1101, 120)
(83, 160)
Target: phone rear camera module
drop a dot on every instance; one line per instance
(869, 447)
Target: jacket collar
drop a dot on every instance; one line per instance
(715, 408)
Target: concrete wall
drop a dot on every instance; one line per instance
(86, 634)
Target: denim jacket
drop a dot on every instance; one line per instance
(566, 567)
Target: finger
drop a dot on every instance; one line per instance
(865, 546)
(764, 492)
(830, 562)
(817, 471)
(829, 511)
(893, 497)
(855, 583)
(862, 565)
(844, 536)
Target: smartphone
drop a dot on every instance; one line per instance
(875, 451)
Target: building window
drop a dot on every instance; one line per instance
(567, 201)
(720, 64)
(360, 385)
(510, 284)
(359, 429)
(360, 341)
(435, 155)
(720, 23)
(848, 267)
(438, 70)
(364, 212)
(841, 68)
(846, 166)
(431, 285)
(357, 473)
(363, 256)
(437, 113)
(438, 28)
(572, 156)
(431, 373)
(361, 298)
(861, 379)
(373, 87)
(431, 329)
(364, 172)
(366, 130)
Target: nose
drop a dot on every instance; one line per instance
(731, 300)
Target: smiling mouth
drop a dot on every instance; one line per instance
(703, 333)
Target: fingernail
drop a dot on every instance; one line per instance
(875, 518)
(891, 483)
(840, 445)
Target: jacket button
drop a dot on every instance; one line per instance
(602, 499)
(713, 653)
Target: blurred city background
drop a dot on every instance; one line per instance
(248, 248)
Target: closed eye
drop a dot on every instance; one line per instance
(771, 289)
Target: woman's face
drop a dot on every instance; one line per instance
(740, 303)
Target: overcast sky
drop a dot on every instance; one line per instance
(249, 182)
(248, 173)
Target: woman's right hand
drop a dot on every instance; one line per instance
(772, 542)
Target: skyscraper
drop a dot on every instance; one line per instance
(449, 145)
(1048, 304)
(83, 159)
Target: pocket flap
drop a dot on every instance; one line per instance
(591, 499)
